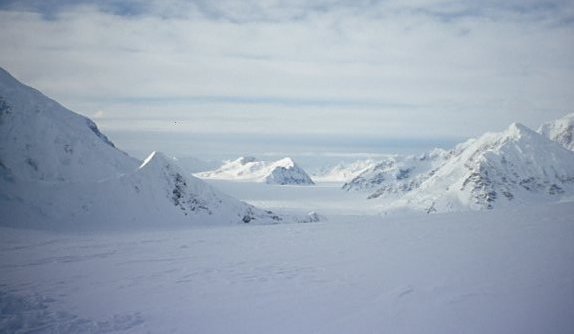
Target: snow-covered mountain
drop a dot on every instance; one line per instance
(342, 172)
(43, 141)
(282, 172)
(58, 171)
(560, 130)
(516, 166)
(397, 175)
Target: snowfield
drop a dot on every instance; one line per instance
(94, 241)
(500, 271)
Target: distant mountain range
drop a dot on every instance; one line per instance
(57, 170)
(281, 172)
(516, 166)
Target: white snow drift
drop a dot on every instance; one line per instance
(282, 172)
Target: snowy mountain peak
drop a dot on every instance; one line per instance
(285, 162)
(284, 171)
(58, 171)
(158, 163)
(155, 159)
(397, 175)
(560, 131)
(518, 130)
(514, 166)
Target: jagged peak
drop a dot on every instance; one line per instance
(563, 122)
(286, 162)
(516, 132)
(560, 131)
(155, 158)
(519, 130)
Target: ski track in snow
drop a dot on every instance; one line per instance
(502, 271)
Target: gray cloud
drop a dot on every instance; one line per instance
(434, 69)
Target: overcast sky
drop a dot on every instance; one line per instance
(197, 77)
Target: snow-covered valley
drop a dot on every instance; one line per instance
(95, 241)
(501, 271)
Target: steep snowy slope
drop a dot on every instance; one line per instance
(58, 171)
(517, 166)
(282, 172)
(560, 130)
(41, 140)
(398, 174)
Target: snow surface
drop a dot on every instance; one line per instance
(560, 131)
(282, 172)
(501, 271)
(326, 198)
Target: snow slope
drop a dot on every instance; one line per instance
(560, 130)
(58, 171)
(282, 172)
(514, 167)
(43, 141)
(501, 271)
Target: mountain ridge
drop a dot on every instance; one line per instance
(58, 171)
(281, 172)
